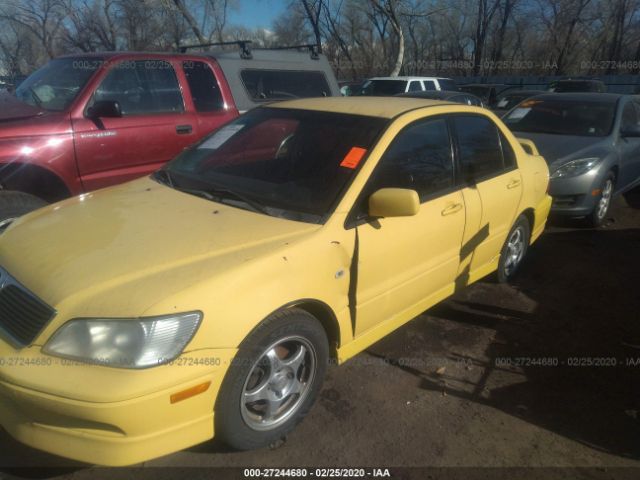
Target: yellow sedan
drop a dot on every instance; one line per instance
(209, 298)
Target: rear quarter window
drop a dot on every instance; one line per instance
(479, 147)
(284, 84)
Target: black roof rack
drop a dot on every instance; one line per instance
(312, 47)
(245, 51)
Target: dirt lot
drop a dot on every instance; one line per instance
(495, 377)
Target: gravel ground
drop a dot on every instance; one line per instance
(496, 376)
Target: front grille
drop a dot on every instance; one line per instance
(22, 315)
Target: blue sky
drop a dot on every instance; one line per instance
(257, 13)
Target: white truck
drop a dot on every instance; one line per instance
(385, 86)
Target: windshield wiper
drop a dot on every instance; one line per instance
(214, 194)
(164, 176)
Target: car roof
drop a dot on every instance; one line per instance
(583, 97)
(434, 94)
(514, 92)
(486, 85)
(409, 78)
(389, 107)
(567, 80)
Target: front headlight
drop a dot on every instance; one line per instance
(124, 343)
(576, 167)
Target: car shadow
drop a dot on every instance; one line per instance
(574, 344)
(21, 461)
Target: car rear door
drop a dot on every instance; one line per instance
(406, 261)
(210, 96)
(155, 125)
(492, 188)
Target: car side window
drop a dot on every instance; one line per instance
(203, 85)
(420, 159)
(142, 87)
(479, 149)
(285, 84)
(429, 85)
(415, 86)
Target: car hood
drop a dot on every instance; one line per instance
(559, 149)
(138, 242)
(13, 109)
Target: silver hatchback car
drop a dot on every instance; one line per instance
(591, 142)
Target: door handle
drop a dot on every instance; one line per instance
(451, 209)
(183, 129)
(513, 183)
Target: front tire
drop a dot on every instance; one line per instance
(514, 249)
(14, 204)
(273, 381)
(599, 214)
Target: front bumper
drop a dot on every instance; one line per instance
(574, 196)
(114, 433)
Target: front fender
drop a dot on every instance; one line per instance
(236, 301)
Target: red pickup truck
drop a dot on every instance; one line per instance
(88, 121)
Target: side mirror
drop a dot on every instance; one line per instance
(630, 131)
(394, 202)
(105, 108)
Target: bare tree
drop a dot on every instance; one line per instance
(43, 18)
(313, 9)
(186, 13)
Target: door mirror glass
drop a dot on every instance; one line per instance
(394, 202)
(105, 108)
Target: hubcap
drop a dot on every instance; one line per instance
(605, 199)
(278, 383)
(514, 251)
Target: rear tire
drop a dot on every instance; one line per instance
(596, 218)
(273, 381)
(14, 204)
(514, 249)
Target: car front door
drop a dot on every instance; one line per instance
(154, 126)
(628, 146)
(404, 262)
(492, 188)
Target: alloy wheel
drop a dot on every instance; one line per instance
(278, 383)
(514, 250)
(605, 199)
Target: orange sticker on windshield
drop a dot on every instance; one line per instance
(352, 159)
(529, 103)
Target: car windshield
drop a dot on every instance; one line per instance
(562, 117)
(56, 84)
(283, 162)
(507, 102)
(383, 87)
